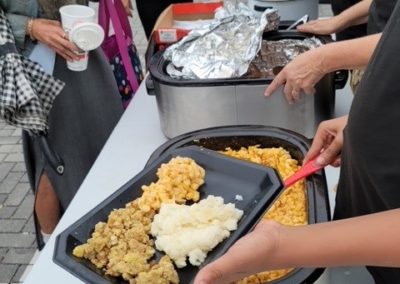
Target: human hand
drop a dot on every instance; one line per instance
(300, 75)
(52, 34)
(128, 7)
(249, 255)
(328, 142)
(321, 27)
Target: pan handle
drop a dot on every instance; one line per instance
(52, 157)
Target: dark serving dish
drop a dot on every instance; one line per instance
(227, 177)
(218, 138)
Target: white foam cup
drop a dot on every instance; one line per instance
(72, 15)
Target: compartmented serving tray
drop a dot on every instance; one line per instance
(235, 137)
(227, 177)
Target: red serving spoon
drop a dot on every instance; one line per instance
(306, 170)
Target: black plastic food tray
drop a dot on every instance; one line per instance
(235, 137)
(225, 176)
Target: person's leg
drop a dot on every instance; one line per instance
(47, 206)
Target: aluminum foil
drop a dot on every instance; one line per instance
(274, 55)
(225, 48)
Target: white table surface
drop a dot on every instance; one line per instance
(125, 154)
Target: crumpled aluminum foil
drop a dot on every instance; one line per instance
(225, 48)
(274, 55)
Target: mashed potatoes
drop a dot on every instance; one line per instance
(192, 231)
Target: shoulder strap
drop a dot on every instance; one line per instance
(104, 17)
(121, 40)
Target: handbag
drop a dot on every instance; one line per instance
(120, 49)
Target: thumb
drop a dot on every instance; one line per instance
(210, 274)
(224, 270)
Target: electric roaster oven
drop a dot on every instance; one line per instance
(190, 104)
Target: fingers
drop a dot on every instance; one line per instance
(52, 34)
(306, 28)
(65, 48)
(220, 271)
(288, 92)
(314, 27)
(317, 144)
(275, 84)
(330, 154)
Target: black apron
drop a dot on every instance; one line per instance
(370, 173)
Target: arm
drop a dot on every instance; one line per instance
(308, 68)
(355, 15)
(349, 54)
(367, 240)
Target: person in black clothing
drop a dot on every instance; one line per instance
(149, 10)
(366, 230)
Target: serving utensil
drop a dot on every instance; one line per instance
(306, 170)
(300, 21)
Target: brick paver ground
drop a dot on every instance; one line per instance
(17, 239)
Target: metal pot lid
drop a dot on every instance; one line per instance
(87, 36)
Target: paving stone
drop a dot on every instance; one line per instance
(3, 197)
(3, 252)
(19, 256)
(18, 148)
(7, 126)
(17, 132)
(6, 132)
(20, 271)
(11, 226)
(9, 140)
(23, 240)
(14, 157)
(10, 181)
(5, 168)
(24, 178)
(17, 195)
(7, 272)
(7, 148)
(6, 212)
(30, 225)
(25, 209)
(19, 167)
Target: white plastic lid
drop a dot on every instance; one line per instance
(87, 36)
